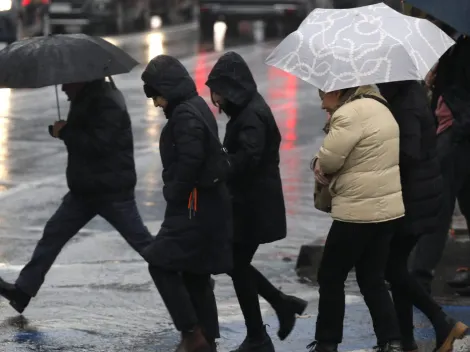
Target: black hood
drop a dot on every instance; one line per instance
(232, 79)
(167, 76)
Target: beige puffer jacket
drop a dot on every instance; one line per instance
(361, 152)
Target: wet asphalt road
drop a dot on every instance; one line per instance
(99, 296)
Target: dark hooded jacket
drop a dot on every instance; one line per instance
(422, 184)
(100, 146)
(453, 84)
(252, 139)
(200, 242)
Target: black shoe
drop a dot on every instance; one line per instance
(461, 279)
(286, 314)
(392, 346)
(409, 346)
(17, 298)
(262, 344)
(316, 346)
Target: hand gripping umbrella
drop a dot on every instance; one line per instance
(337, 49)
(58, 59)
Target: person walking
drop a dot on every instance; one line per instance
(252, 140)
(196, 234)
(101, 178)
(358, 161)
(450, 86)
(425, 206)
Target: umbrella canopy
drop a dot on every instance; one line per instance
(455, 13)
(58, 59)
(336, 49)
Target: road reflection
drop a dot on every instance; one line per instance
(282, 97)
(155, 45)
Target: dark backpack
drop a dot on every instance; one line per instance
(217, 167)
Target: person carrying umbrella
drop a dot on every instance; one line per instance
(195, 238)
(101, 178)
(252, 140)
(359, 159)
(101, 174)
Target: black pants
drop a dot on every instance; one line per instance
(407, 292)
(71, 216)
(455, 171)
(365, 247)
(189, 299)
(249, 283)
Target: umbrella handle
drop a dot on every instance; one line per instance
(57, 101)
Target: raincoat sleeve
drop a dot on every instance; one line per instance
(252, 139)
(345, 132)
(98, 137)
(188, 135)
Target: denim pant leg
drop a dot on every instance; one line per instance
(70, 218)
(124, 216)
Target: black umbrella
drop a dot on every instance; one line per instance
(455, 13)
(58, 59)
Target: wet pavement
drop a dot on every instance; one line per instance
(99, 296)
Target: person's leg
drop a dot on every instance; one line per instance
(370, 275)
(343, 247)
(397, 275)
(245, 287)
(124, 216)
(430, 248)
(461, 280)
(407, 292)
(69, 218)
(203, 300)
(178, 302)
(286, 307)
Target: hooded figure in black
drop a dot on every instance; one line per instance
(196, 234)
(252, 140)
(425, 206)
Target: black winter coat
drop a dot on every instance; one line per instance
(453, 83)
(422, 184)
(100, 146)
(200, 243)
(252, 139)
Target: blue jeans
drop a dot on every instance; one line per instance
(73, 214)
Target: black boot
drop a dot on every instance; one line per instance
(316, 346)
(286, 312)
(17, 298)
(409, 346)
(392, 346)
(261, 344)
(193, 341)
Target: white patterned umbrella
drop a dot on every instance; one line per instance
(336, 49)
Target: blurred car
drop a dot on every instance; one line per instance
(288, 13)
(117, 16)
(23, 18)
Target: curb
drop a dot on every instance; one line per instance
(308, 260)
